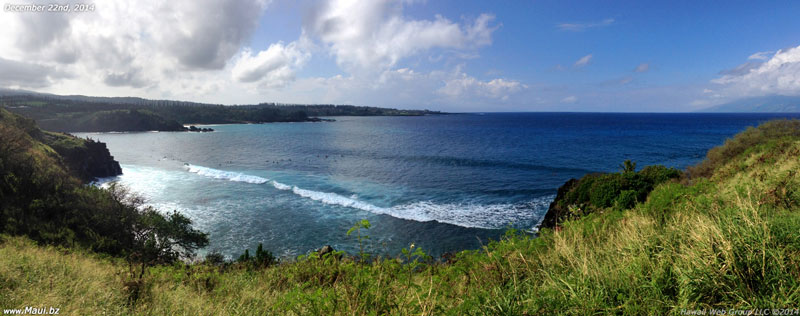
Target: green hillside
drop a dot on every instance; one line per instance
(722, 235)
(100, 114)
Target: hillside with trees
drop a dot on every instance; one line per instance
(99, 114)
(44, 195)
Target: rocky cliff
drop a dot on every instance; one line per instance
(86, 158)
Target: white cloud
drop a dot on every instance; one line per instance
(577, 27)
(778, 75)
(569, 99)
(760, 55)
(373, 36)
(643, 67)
(149, 47)
(583, 61)
(450, 90)
(463, 86)
(188, 31)
(197, 51)
(275, 66)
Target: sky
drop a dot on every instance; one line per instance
(458, 56)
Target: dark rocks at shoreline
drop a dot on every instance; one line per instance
(327, 250)
(193, 128)
(317, 119)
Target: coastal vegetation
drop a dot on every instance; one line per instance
(599, 192)
(44, 196)
(93, 114)
(722, 235)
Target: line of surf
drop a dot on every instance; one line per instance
(487, 216)
(225, 175)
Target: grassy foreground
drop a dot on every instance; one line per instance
(725, 237)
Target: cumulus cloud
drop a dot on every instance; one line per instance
(205, 34)
(448, 90)
(778, 75)
(643, 67)
(122, 43)
(276, 65)
(582, 26)
(26, 75)
(198, 51)
(462, 85)
(583, 61)
(372, 36)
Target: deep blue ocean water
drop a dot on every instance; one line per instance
(445, 183)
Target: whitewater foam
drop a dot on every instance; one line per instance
(488, 216)
(226, 175)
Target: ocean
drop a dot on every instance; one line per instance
(445, 182)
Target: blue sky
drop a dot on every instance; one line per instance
(444, 55)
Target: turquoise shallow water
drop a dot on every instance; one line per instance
(445, 183)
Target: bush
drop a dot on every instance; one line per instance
(622, 190)
(262, 259)
(626, 199)
(214, 258)
(605, 190)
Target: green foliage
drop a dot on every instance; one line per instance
(43, 200)
(262, 259)
(245, 257)
(214, 258)
(628, 166)
(626, 199)
(605, 190)
(621, 190)
(362, 224)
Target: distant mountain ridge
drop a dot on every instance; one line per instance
(765, 104)
(76, 113)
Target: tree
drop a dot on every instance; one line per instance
(628, 166)
(159, 239)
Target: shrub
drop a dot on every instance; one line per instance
(626, 199)
(605, 190)
(263, 258)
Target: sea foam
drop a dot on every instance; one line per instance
(489, 216)
(226, 175)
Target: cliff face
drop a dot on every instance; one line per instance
(557, 212)
(92, 161)
(87, 159)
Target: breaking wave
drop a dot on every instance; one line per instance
(225, 175)
(488, 216)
